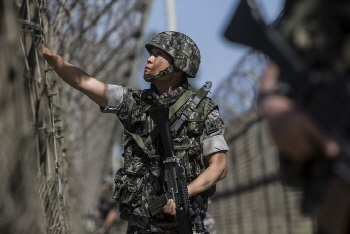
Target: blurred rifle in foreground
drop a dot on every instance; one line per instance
(323, 94)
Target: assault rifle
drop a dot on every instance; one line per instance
(323, 94)
(175, 185)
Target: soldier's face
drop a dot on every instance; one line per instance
(157, 61)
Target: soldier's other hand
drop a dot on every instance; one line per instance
(169, 207)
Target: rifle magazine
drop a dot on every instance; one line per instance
(156, 206)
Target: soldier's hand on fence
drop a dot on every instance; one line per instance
(169, 207)
(295, 133)
(47, 53)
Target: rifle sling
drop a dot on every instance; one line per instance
(200, 95)
(154, 133)
(156, 206)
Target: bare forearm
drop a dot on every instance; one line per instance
(71, 74)
(77, 78)
(213, 174)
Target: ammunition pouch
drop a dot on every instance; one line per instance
(128, 188)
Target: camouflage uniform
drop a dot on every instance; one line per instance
(319, 31)
(140, 181)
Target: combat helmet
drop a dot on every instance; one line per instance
(181, 48)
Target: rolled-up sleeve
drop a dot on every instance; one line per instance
(214, 144)
(115, 99)
(213, 140)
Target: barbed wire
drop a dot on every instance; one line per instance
(238, 92)
(49, 137)
(89, 34)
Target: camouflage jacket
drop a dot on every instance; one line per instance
(139, 181)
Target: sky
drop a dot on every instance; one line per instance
(205, 22)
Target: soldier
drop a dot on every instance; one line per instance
(319, 31)
(198, 141)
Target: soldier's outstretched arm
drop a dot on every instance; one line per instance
(77, 78)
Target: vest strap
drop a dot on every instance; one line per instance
(154, 133)
(200, 95)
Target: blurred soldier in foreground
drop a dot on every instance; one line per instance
(305, 97)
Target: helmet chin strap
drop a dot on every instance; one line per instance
(151, 78)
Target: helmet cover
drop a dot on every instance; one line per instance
(184, 51)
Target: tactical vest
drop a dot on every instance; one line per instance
(140, 181)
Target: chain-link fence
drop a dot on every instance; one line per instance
(55, 146)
